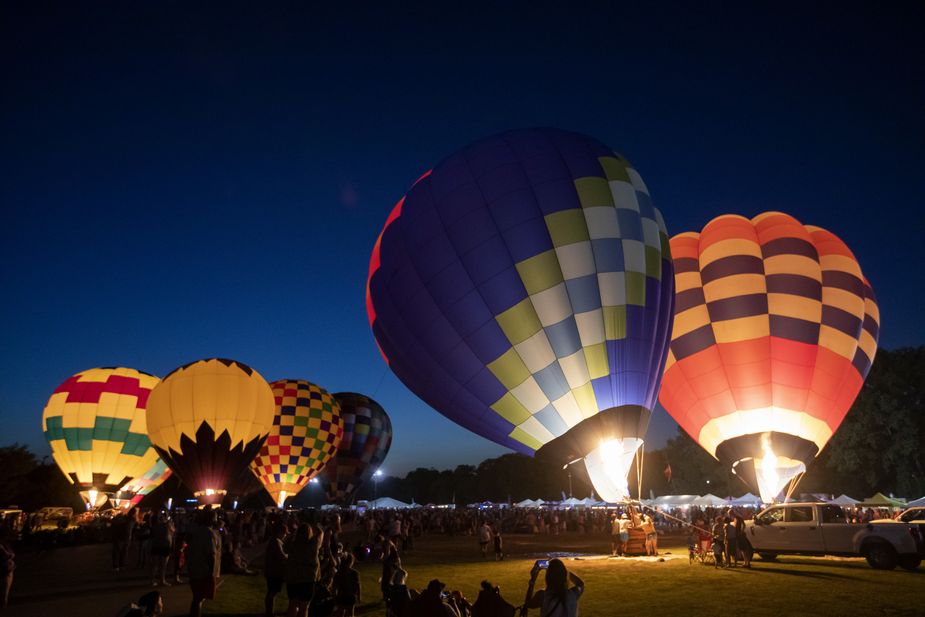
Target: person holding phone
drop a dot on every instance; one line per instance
(557, 599)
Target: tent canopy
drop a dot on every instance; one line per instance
(710, 500)
(844, 500)
(879, 500)
(747, 499)
(387, 502)
(526, 503)
(916, 503)
(675, 500)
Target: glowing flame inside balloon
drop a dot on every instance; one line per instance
(92, 494)
(282, 499)
(774, 472)
(609, 465)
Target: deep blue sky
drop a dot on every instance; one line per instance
(181, 183)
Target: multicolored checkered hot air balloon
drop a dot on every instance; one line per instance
(363, 447)
(523, 288)
(775, 330)
(96, 425)
(306, 432)
(135, 490)
(207, 420)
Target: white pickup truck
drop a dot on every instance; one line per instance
(823, 529)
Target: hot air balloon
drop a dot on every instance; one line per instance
(363, 447)
(207, 420)
(774, 332)
(95, 424)
(135, 490)
(523, 288)
(306, 431)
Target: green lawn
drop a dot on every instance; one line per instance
(789, 586)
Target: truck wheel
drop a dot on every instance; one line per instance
(768, 556)
(881, 557)
(910, 562)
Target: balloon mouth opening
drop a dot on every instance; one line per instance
(608, 466)
(772, 471)
(94, 498)
(210, 496)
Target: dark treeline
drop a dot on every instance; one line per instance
(879, 447)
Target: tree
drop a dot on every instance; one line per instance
(880, 445)
(16, 462)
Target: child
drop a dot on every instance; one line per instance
(499, 552)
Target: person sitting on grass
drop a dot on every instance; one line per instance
(400, 596)
(558, 599)
(489, 603)
(150, 604)
(433, 602)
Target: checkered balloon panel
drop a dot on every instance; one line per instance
(524, 285)
(307, 430)
(775, 330)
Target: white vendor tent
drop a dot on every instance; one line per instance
(844, 500)
(710, 500)
(387, 503)
(916, 503)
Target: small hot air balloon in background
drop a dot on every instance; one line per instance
(207, 420)
(135, 490)
(775, 330)
(306, 431)
(363, 447)
(96, 426)
(523, 288)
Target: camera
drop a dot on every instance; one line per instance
(542, 564)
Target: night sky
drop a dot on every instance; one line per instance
(178, 184)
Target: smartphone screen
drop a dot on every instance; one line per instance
(542, 563)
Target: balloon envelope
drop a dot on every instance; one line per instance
(774, 332)
(523, 288)
(365, 443)
(307, 429)
(95, 423)
(135, 490)
(207, 421)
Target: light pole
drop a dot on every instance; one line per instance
(376, 476)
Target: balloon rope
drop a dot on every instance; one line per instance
(792, 486)
(640, 463)
(381, 379)
(643, 506)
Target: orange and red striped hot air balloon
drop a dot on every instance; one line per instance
(775, 329)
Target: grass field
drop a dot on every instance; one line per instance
(789, 586)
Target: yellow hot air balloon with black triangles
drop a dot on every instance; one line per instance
(207, 420)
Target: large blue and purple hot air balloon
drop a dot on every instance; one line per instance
(524, 289)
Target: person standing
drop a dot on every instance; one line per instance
(162, 536)
(744, 546)
(484, 538)
(346, 588)
(274, 566)
(731, 545)
(203, 560)
(624, 526)
(302, 568)
(499, 545)
(121, 537)
(7, 565)
(648, 527)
